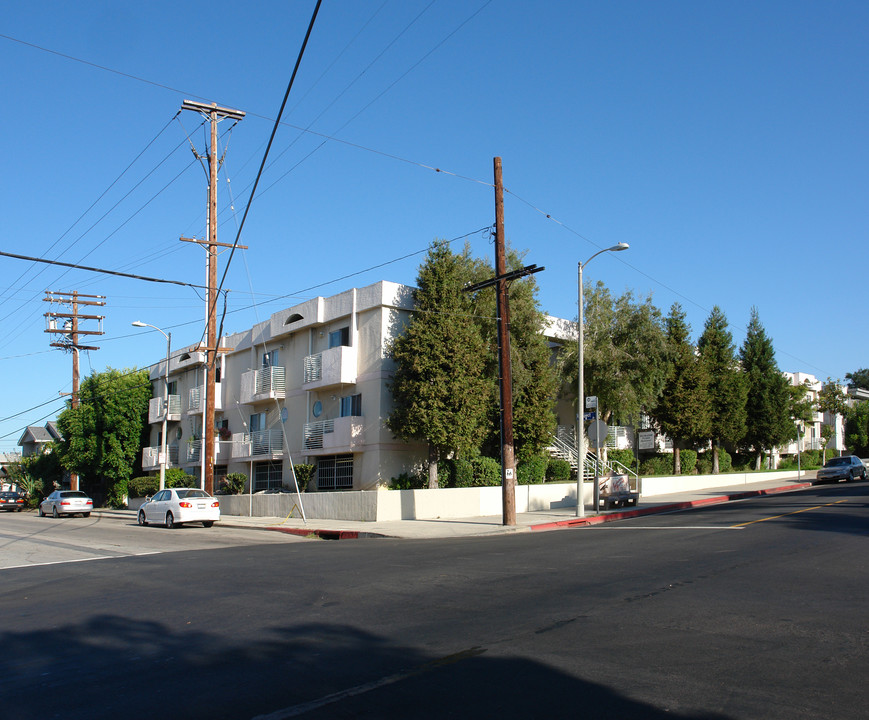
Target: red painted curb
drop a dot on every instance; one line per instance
(671, 507)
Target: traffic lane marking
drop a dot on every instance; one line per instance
(665, 527)
(78, 560)
(795, 512)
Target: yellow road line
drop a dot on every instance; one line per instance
(795, 512)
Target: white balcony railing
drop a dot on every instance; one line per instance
(196, 398)
(268, 383)
(260, 444)
(155, 409)
(151, 457)
(335, 366)
(339, 435)
(193, 453)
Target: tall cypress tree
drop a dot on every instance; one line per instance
(439, 389)
(683, 411)
(727, 389)
(767, 406)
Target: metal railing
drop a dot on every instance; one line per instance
(270, 380)
(313, 368)
(314, 431)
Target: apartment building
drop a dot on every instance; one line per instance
(308, 384)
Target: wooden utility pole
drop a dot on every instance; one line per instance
(505, 369)
(214, 115)
(508, 461)
(70, 332)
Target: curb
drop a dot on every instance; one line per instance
(670, 507)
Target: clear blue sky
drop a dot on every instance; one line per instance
(726, 142)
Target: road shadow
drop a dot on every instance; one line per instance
(112, 666)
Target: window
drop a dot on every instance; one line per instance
(270, 359)
(267, 476)
(257, 422)
(351, 406)
(334, 473)
(339, 337)
(173, 387)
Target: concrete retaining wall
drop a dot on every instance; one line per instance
(380, 505)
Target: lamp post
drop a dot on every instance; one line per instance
(163, 446)
(580, 401)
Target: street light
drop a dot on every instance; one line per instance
(163, 447)
(580, 410)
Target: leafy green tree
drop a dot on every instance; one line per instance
(535, 383)
(439, 389)
(101, 437)
(727, 388)
(767, 405)
(624, 353)
(858, 378)
(683, 412)
(857, 429)
(832, 400)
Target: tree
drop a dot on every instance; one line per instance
(832, 400)
(534, 377)
(624, 353)
(767, 406)
(683, 412)
(858, 378)
(101, 437)
(439, 389)
(727, 390)
(857, 429)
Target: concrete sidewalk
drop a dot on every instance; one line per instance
(525, 522)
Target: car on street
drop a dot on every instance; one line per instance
(175, 506)
(66, 502)
(845, 467)
(10, 500)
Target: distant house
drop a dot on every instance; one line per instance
(35, 438)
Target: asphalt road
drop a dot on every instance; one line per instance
(754, 609)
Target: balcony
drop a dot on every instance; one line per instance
(193, 452)
(151, 457)
(327, 437)
(267, 383)
(330, 368)
(196, 398)
(155, 409)
(258, 445)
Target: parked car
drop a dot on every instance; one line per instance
(66, 502)
(845, 467)
(11, 500)
(174, 506)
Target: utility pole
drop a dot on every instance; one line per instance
(505, 370)
(70, 332)
(214, 115)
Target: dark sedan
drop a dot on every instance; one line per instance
(11, 501)
(846, 467)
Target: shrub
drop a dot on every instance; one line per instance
(623, 457)
(661, 464)
(304, 473)
(462, 473)
(118, 495)
(176, 477)
(704, 463)
(557, 470)
(532, 470)
(688, 460)
(408, 481)
(142, 486)
(233, 484)
(725, 463)
(487, 471)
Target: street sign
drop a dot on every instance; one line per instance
(591, 402)
(590, 415)
(646, 440)
(597, 432)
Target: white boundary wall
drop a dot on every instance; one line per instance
(450, 503)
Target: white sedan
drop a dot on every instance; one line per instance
(173, 506)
